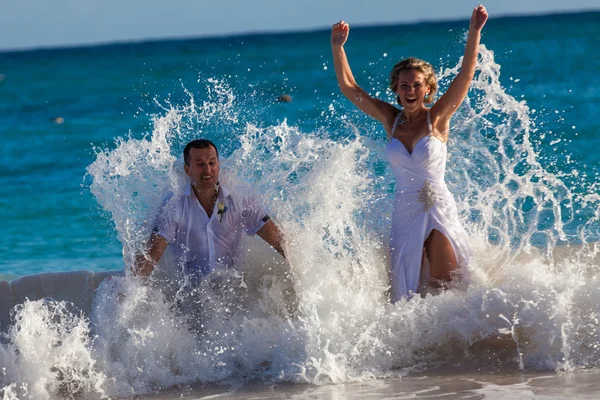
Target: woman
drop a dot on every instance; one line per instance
(425, 224)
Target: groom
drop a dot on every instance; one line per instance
(204, 224)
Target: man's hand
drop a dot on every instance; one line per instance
(272, 235)
(144, 265)
(146, 262)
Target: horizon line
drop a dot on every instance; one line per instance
(268, 32)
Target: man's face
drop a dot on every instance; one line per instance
(204, 168)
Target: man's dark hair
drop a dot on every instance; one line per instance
(197, 144)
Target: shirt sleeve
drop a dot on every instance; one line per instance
(254, 216)
(167, 219)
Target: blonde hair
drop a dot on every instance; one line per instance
(415, 64)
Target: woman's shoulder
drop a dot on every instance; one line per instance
(440, 126)
(390, 120)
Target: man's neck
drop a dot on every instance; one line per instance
(207, 198)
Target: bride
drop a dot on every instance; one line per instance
(425, 223)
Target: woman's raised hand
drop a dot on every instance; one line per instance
(339, 34)
(478, 18)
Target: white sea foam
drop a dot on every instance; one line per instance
(532, 303)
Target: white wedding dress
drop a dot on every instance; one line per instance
(423, 203)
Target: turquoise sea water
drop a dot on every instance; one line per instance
(523, 167)
(51, 221)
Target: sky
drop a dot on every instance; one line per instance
(28, 24)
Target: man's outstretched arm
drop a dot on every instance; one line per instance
(145, 262)
(272, 235)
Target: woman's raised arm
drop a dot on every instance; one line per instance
(447, 105)
(376, 108)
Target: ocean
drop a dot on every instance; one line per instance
(92, 140)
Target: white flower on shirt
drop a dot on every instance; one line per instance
(222, 207)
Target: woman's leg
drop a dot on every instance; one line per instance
(442, 260)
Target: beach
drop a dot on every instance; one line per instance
(92, 144)
(525, 385)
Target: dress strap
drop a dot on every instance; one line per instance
(429, 122)
(395, 125)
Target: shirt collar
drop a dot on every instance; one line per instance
(223, 192)
(188, 190)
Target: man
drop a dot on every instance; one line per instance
(205, 224)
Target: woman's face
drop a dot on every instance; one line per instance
(412, 89)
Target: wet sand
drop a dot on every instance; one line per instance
(444, 385)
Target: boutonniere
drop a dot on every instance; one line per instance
(222, 207)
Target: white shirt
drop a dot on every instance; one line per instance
(199, 243)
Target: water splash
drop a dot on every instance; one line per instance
(532, 303)
(49, 352)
